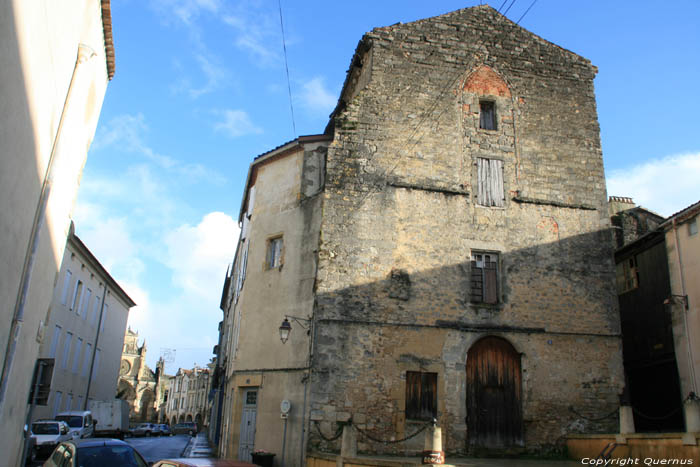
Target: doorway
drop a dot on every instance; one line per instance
(494, 406)
(248, 416)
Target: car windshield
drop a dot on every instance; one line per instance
(45, 428)
(100, 456)
(71, 420)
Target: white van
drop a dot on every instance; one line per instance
(79, 421)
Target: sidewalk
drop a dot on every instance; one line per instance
(198, 446)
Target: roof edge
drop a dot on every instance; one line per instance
(109, 39)
(78, 244)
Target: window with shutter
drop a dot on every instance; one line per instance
(484, 278)
(421, 395)
(490, 182)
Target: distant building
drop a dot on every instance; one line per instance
(84, 334)
(56, 60)
(188, 396)
(138, 384)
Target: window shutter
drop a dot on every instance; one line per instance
(490, 182)
(428, 398)
(490, 283)
(477, 283)
(413, 399)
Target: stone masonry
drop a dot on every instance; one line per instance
(402, 221)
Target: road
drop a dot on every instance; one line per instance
(157, 448)
(153, 448)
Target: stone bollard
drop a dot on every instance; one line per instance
(348, 448)
(692, 415)
(626, 420)
(432, 451)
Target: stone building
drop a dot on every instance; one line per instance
(138, 384)
(442, 251)
(188, 397)
(56, 60)
(85, 334)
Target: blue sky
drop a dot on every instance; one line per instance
(200, 89)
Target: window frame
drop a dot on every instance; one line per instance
(488, 116)
(485, 298)
(274, 258)
(693, 227)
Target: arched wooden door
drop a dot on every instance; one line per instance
(494, 407)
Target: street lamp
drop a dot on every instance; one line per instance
(286, 326)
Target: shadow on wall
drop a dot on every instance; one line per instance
(555, 303)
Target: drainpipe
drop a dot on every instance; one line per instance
(691, 365)
(94, 349)
(85, 53)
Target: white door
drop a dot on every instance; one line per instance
(247, 440)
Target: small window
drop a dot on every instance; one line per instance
(627, 275)
(77, 293)
(490, 182)
(487, 115)
(484, 278)
(693, 227)
(274, 253)
(421, 395)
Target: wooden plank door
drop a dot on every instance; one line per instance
(494, 407)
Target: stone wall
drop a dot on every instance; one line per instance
(401, 220)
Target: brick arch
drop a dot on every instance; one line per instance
(485, 81)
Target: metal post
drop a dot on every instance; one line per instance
(94, 350)
(284, 440)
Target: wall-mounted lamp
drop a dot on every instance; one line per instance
(286, 326)
(674, 299)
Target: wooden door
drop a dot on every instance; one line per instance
(494, 407)
(248, 417)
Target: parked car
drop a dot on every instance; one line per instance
(165, 430)
(143, 429)
(189, 428)
(96, 452)
(201, 462)
(46, 435)
(80, 422)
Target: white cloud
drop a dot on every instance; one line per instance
(317, 98)
(198, 255)
(128, 132)
(662, 185)
(236, 123)
(256, 33)
(186, 10)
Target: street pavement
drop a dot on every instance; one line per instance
(156, 448)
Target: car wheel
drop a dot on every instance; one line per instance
(31, 456)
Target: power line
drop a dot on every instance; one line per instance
(499, 8)
(509, 7)
(528, 9)
(286, 66)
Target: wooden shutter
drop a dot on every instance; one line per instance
(428, 397)
(413, 402)
(490, 182)
(490, 282)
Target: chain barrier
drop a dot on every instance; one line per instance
(664, 417)
(611, 414)
(337, 434)
(395, 441)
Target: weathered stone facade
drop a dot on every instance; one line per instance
(403, 218)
